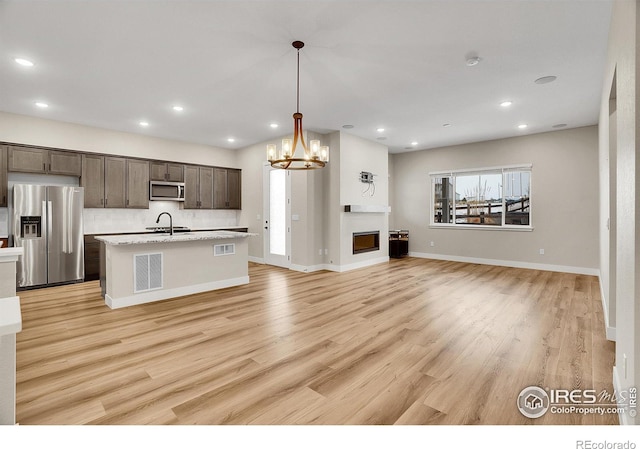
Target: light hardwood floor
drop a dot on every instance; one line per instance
(413, 341)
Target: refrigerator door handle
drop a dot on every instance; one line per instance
(48, 211)
(45, 222)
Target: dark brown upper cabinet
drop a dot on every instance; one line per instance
(198, 187)
(92, 180)
(137, 184)
(40, 160)
(115, 182)
(226, 188)
(167, 171)
(4, 181)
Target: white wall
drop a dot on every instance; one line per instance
(307, 201)
(251, 159)
(357, 155)
(69, 136)
(392, 192)
(333, 208)
(564, 195)
(48, 133)
(621, 193)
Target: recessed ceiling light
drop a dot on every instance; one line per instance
(446, 125)
(414, 143)
(506, 104)
(380, 130)
(347, 126)
(231, 140)
(42, 104)
(559, 125)
(273, 125)
(546, 79)
(24, 62)
(144, 124)
(178, 108)
(474, 60)
(523, 126)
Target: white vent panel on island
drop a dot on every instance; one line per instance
(147, 272)
(224, 250)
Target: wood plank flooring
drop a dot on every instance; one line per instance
(413, 341)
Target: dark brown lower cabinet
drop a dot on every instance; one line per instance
(91, 258)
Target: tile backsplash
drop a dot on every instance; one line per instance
(97, 221)
(4, 222)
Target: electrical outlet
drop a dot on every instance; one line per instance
(432, 244)
(542, 251)
(326, 252)
(319, 252)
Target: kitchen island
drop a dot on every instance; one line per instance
(142, 268)
(10, 325)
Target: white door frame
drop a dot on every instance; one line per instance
(275, 259)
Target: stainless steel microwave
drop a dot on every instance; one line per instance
(166, 191)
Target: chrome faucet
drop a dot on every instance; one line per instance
(170, 221)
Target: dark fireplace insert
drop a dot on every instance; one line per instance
(363, 242)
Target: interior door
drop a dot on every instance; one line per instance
(277, 216)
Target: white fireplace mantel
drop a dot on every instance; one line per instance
(367, 208)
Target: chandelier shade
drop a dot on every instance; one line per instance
(313, 156)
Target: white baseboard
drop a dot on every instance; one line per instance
(624, 418)
(357, 265)
(509, 263)
(259, 260)
(159, 295)
(339, 268)
(308, 269)
(610, 332)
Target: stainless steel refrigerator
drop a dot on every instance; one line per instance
(47, 223)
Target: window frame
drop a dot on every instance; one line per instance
(503, 170)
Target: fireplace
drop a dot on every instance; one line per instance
(363, 242)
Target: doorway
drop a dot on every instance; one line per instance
(277, 216)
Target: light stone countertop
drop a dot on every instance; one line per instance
(137, 239)
(10, 316)
(10, 254)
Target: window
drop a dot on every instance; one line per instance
(495, 197)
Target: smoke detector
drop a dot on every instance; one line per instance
(473, 60)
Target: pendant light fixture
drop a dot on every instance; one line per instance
(314, 156)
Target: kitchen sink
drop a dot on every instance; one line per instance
(165, 229)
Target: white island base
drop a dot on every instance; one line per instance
(143, 268)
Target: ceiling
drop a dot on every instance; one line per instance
(397, 65)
